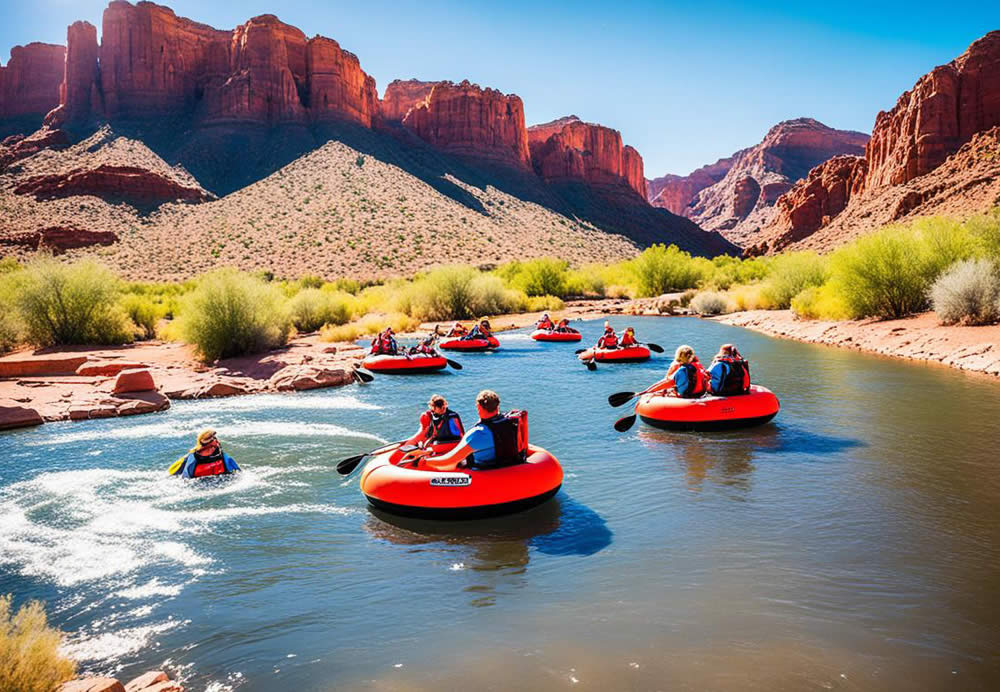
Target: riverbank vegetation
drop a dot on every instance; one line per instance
(29, 650)
(934, 262)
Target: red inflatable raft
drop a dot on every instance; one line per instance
(404, 364)
(709, 412)
(469, 344)
(629, 354)
(463, 493)
(552, 335)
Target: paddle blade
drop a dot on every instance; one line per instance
(620, 398)
(623, 424)
(363, 375)
(349, 464)
(655, 348)
(591, 365)
(579, 351)
(457, 366)
(176, 466)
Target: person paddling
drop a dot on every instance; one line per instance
(544, 323)
(426, 346)
(628, 338)
(481, 330)
(729, 372)
(457, 330)
(608, 340)
(206, 458)
(686, 377)
(563, 325)
(385, 343)
(437, 424)
(493, 442)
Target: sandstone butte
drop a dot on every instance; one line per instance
(29, 83)
(737, 195)
(569, 149)
(151, 64)
(943, 113)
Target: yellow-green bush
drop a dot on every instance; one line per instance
(311, 308)
(820, 303)
(985, 228)
(727, 271)
(144, 312)
(749, 297)
(69, 303)
(543, 303)
(537, 277)
(369, 325)
(489, 296)
(232, 313)
(29, 650)
(662, 269)
(790, 274)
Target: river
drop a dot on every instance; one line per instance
(851, 544)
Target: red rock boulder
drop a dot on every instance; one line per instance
(14, 415)
(107, 368)
(134, 380)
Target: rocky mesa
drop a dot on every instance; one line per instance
(29, 86)
(934, 152)
(747, 185)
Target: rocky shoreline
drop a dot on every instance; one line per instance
(919, 337)
(153, 681)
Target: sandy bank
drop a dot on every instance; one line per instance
(920, 337)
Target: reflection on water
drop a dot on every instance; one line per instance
(851, 544)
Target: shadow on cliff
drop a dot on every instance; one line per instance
(225, 158)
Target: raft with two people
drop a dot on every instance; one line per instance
(547, 330)
(480, 338)
(387, 357)
(492, 469)
(693, 398)
(611, 349)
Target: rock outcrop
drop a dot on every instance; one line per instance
(742, 202)
(403, 94)
(152, 64)
(133, 380)
(675, 193)
(154, 681)
(137, 186)
(569, 149)
(29, 82)
(59, 239)
(17, 147)
(470, 121)
(936, 151)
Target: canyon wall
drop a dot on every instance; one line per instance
(29, 82)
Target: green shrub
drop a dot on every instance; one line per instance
(70, 304)
(968, 293)
(489, 296)
(443, 294)
(586, 281)
(985, 228)
(537, 277)
(29, 650)
(820, 303)
(369, 325)
(661, 269)
(311, 308)
(789, 275)
(543, 303)
(233, 314)
(9, 264)
(144, 312)
(710, 303)
(727, 271)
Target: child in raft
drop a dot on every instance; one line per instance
(686, 376)
(437, 424)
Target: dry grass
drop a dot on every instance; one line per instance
(29, 650)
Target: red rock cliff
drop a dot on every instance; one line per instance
(943, 110)
(470, 121)
(153, 63)
(570, 149)
(403, 94)
(29, 83)
(675, 193)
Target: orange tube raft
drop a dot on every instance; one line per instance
(469, 345)
(553, 335)
(404, 364)
(463, 493)
(708, 412)
(629, 354)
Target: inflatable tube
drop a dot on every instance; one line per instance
(404, 364)
(630, 354)
(709, 412)
(551, 335)
(463, 493)
(469, 345)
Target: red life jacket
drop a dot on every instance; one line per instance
(737, 378)
(609, 340)
(628, 339)
(696, 377)
(438, 428)
(211, 464)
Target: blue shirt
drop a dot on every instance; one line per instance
(718, 372)
(480, 439)
(682, 382)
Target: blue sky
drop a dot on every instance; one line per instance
(685, 82)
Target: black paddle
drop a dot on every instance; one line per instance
(622, 398)
(362, 375)
(655, 348)
(457, 366)
(345, 466)
(580, 350)
(623, 424)
(591, 365)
